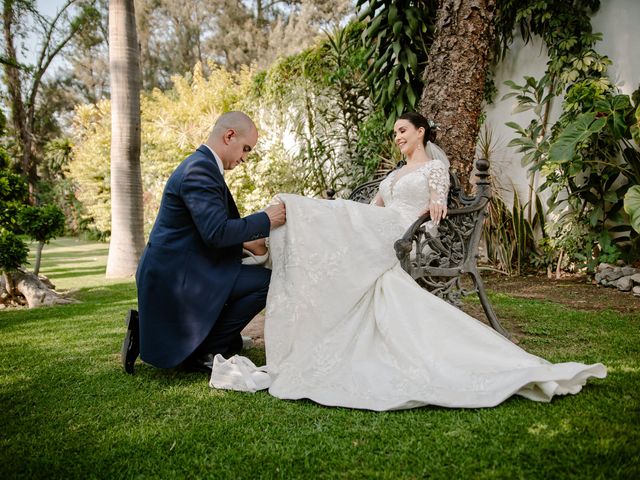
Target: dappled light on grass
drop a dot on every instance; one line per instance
(72, 263)
(623, 368)
(544, 430)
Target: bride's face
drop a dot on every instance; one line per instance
(407, 136)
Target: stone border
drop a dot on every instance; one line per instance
(625, 279)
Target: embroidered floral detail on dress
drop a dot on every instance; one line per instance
(410, 194)
(438, 177)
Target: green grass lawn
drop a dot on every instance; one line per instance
(68, 411)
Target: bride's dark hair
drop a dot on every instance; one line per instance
(418, 121)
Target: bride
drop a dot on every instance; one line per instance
(347, 326)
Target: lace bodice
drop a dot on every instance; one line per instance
(410, 193)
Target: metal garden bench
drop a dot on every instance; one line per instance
(454, 251)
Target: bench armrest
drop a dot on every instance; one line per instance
(449, 252)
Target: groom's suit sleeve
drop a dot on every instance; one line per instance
(205, 196)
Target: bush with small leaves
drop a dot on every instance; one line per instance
(14, 193)
(41, 224)
(13, 254)
(13, 251)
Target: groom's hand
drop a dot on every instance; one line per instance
(257, 247)
(277, 214)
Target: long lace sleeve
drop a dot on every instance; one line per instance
(438, 178)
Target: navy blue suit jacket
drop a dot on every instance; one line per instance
(191, 261)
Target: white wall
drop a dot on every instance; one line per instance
(619, 22)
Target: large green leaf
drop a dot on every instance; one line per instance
(411, 96)
(413, 60)
(540, 217)
(516, 127)
(396, 47)
(512, 84)
(393, 14)
(632, 206)
(621, 102)
(563, 149)
(371, 30)
(618, 124)
(397, 27)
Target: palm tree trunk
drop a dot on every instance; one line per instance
(127, 235)
(455, 77)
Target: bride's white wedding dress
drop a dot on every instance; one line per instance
(346, 326)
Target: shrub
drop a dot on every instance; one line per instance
(13, 251)
(41, 224)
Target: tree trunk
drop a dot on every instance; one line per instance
(13, 82)
(7, 285)
(127, 235)
(455, 77)
(36, 268)
(25, 287)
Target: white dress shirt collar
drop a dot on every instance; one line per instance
(218, 161)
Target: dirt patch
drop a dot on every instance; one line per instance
(577, 292)
(255, 330)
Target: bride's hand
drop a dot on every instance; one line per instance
(438, 211)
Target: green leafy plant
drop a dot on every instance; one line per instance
(593, 160)
(398, 36)
(318, 129)
(509, 236)
(14, 193)
(13, 254)
(42, 224)
(585, 158)
(533, 140)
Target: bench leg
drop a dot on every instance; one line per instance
(486, 305)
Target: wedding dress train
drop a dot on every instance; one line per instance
(346, 326)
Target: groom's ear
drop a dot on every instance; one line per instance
(228, 135)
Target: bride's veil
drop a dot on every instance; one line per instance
(436, 153)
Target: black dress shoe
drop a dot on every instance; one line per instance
(131, 345)
(198, 363)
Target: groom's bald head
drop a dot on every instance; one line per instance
(235, 120)
(232, 138)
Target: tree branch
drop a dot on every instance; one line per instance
(45, 59)
(48, 31)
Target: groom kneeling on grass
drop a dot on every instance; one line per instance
(194, 294)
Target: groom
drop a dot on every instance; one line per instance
(194, 295)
